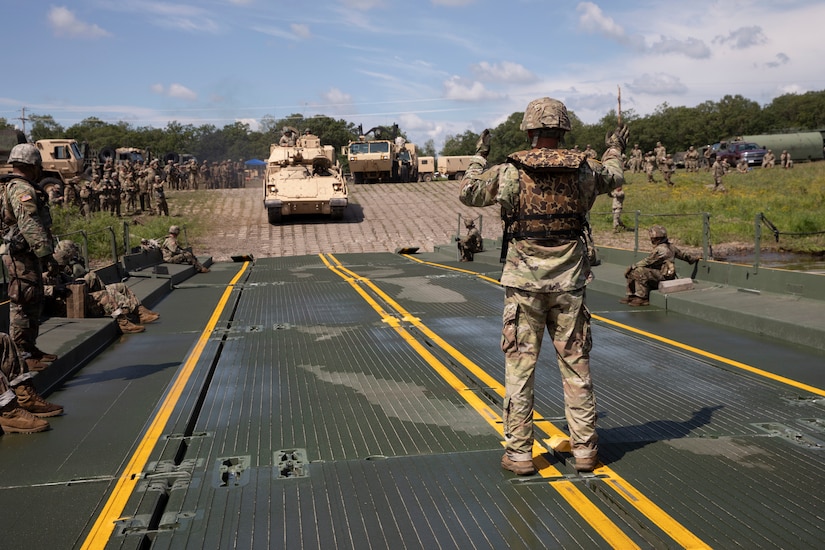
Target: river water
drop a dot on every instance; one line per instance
(782, 260)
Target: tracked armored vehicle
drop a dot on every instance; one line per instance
(303, 179)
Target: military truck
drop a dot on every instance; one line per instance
(385, 158)
(453, 166)
(122, 154)
(63, 159)
(426, 168)
(303, 179)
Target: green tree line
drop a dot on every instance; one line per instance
(676, 127)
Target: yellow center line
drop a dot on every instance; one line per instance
(643, 504)
(608, 530)
(105, 524)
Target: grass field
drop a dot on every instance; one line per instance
(792, 200)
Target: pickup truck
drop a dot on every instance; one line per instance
(732, 151)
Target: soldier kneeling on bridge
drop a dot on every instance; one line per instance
(472, 243)
(645, 275)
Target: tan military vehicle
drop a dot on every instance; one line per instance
(453, 166)
(303, 179)
(381, 160)
(426, 168)
(63, 159)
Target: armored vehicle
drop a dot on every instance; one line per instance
(303, 179)
(388, 157)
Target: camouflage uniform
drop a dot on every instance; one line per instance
(692, 160)
(618, 204)
(719, 170)
(636, 157)
(27, 240)
(545, 273)
(645, 275)
(668, 167)
(173, 253)
(160, 197)
(471, 243)
(650, 166)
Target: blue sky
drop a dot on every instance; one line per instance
(436, 67)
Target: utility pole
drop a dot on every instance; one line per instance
(23, 118)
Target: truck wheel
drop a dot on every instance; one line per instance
(358, 177)
(428, 177)
(458, 176)
(52, 185)
(405, 174)
(274, 215)
(337, 212)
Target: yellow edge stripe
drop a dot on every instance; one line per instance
(608, 530)
(105, 524)
(442, 266)
(703, 353)
(647, 507)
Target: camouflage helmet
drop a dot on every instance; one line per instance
(65, 251)
(545, 112)
(174, 230)
(25, 153)
(657, 233)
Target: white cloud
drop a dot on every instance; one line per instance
(253, 124)
(176, 91)
(462, 90)
(743, 37)
(336, 97)
(657, 84)
(65, 23)
(592, 19)
(506, 71)
(365, 5)
(691, 47)
(301, 31)
(781, 59)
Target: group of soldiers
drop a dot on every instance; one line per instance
(140, 187)
(226, 174)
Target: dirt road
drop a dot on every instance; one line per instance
(379, 218)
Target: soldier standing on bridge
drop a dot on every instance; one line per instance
(27, 250)
(545, 194)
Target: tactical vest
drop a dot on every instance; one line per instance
(550, 198)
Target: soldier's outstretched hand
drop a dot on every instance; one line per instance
(483, 143)
(618, 138)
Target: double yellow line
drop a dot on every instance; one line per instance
(611, 533)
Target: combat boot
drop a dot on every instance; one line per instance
(203, 269)
(43, 356)
(636, 302)
(147, 315)
(30, 400)
(586, 463)
(519, 467)
(36, 365)
(128, 327)
(626, 299)
(17, 420)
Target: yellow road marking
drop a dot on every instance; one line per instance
(647, 507)
(608, 530)
(105, 524)
(709, 355)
